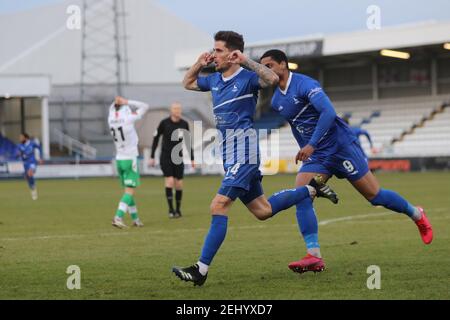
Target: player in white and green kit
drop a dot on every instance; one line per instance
(121, 122)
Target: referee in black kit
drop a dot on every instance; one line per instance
(173, 173)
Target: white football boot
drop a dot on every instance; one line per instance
(118, 223)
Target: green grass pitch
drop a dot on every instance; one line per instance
(70, 224)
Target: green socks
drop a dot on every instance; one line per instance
(132, 209)
(127, 204)
(124, 204)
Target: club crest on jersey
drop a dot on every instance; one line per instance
(296, 101)
(235, 88)
(280, 108)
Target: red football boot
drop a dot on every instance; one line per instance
(424, 226)
(307, 263)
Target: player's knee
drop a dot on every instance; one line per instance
(218, 206)
(263, 215)
(169, 182)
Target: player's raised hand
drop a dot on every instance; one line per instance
(120, 100)
(237, 57)
(205, 59)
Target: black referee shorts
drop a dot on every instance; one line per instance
(170, 169)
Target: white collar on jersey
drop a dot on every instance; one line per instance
(287, 84)
(233, 75)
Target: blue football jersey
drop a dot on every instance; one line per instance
(27, 151)
(296, 105)
(234, 103)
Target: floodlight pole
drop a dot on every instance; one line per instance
(103, 52)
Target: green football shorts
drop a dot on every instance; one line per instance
(128, 173)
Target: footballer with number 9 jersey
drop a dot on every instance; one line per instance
(327, 147)
(121, 122)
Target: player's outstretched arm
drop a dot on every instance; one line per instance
(141, 107)
(267, 78)
(190, 78)
(158, 133)
(365, 133)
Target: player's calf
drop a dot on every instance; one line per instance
(393, 201)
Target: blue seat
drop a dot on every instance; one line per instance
(8, 149)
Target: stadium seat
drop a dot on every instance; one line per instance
(398, 129)
(8, 149)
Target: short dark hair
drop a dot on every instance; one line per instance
(276, 55)
(26, 135)
(233, 40)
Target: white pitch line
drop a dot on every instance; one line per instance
(256, 226)
(361, 216)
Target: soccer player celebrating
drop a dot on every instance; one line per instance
(173, 169)
(121, 122)
(328, 147)
(27, 152)
(234, 94)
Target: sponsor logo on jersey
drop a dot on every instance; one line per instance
(116, 121)
(313, 92)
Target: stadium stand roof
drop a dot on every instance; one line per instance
(402, 36)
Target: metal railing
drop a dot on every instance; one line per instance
(74, 146)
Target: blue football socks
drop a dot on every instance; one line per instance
(214, 239)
